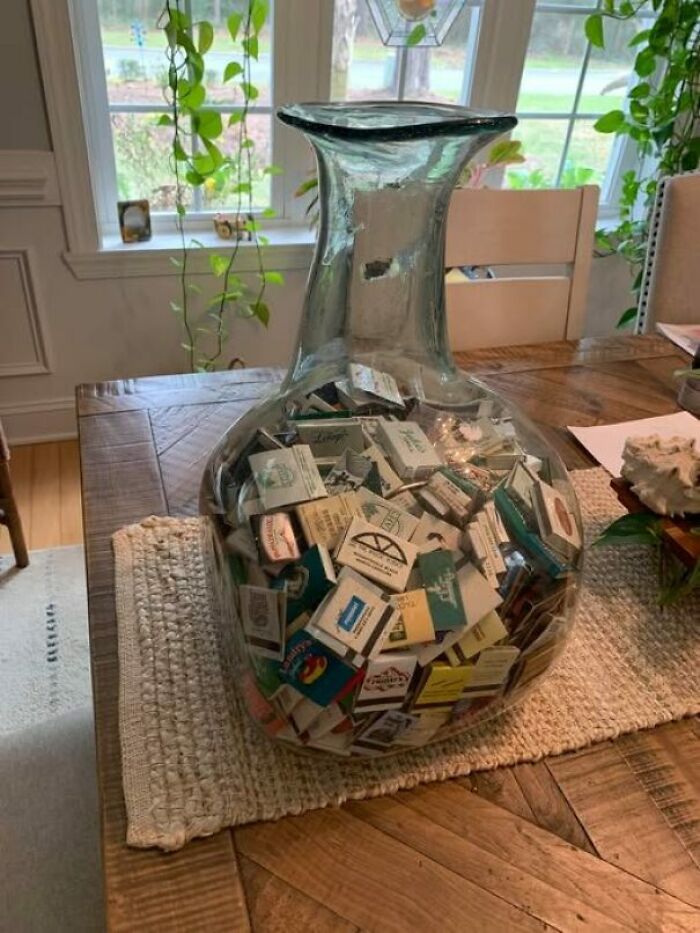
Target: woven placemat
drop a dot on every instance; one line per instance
(194, 763)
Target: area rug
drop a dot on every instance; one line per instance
(194, 763)
(44, 656)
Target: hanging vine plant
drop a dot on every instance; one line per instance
(199, 157)
(662, 115)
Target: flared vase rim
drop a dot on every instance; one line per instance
(392, 121)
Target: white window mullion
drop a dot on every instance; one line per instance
(572, 118)
(85, 27)
(504, 33)
(303, 32)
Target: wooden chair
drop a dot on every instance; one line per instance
(519, 228)
(9, 515)
(671, 276)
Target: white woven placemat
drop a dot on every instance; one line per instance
(193, 763)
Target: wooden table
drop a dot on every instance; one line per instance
(602, 839)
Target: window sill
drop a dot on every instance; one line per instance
(290, 247)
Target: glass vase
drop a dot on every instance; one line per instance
(398, 546)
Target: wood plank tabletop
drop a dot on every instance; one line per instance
(607, 838)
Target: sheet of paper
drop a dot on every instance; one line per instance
(606, 441)
(685, 336)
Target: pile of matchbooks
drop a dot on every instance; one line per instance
(399, 571)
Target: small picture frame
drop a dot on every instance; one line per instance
(134, 221)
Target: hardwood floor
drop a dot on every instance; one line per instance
(46, 480)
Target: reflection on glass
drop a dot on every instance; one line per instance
(543, 142)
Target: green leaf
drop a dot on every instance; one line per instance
(215, 154)
(639, 38)
(196, 64)
(645, 63)
(231, 70)
(218, 264)
(194, 98)
(207, 124)
(416, 35)
(627, 317)
(203, 164)
(178, 151)
(234, 24)
(273, 170)
(180, 209)
(258, 15)
(269, 212)
(261, 312)
(205, 36)
(594, 30)
(306, 186)
(235, 117)
(610, 122)
(250, 47)
(273, 278)
(247, 143)
(689, 161)
(165, 120)
(640, 90)
(638, 111)
(637, 528)
(170, 30)
(194, 178)
(250, 92)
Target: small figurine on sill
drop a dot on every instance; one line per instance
(233, 228)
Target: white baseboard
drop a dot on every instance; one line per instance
(42, 438)
(39, 420)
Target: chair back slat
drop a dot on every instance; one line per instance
(479, 312)
(519, 228)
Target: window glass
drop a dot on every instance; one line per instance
(609, 69)
(136, 69)
(142, 156)
(553, 63)
(543, 142)
(588, 156)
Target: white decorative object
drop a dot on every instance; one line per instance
(664, 473)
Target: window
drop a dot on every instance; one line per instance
(563, 86)
(566, 85)
(525, 55)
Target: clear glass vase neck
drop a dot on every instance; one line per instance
(375, 292)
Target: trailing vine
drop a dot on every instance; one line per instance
(198, 155)
(662, 116)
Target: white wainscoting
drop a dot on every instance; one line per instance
(28, 179)
(24, 344)
(44, 419)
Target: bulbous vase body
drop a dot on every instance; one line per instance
(399, 547)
